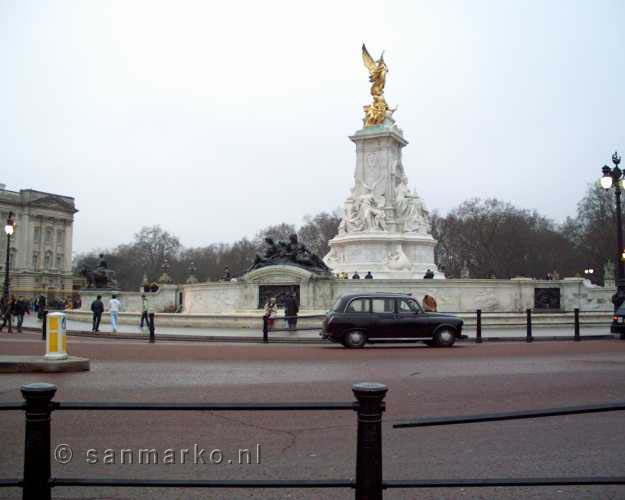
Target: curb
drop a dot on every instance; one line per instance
(37, 364)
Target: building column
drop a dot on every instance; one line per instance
(68, 245)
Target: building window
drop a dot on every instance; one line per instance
(35, 260)
(48, 240)
(47, 262)
(60, 238)
(37, 234)
(59, 261)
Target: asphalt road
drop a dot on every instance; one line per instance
(422, 381)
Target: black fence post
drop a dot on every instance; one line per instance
(151, 327)
(265, 330)
(44, 324)
(478, 327)
(529, 326)
(37, 450)
(577, 337)
(369, 447)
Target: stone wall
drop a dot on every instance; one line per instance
(514, 295)
(165, 299)
(319, 294)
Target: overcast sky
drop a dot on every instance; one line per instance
(216, 119)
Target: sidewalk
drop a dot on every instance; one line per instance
(81, 326)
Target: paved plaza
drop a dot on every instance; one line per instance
(466, 379)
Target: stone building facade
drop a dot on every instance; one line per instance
(41, 247)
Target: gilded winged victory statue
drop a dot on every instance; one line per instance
(375, 113)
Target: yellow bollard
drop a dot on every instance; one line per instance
(56, 343)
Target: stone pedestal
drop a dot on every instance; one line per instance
(385, 229)
(88, 295)
(274, 280)
(385, 255)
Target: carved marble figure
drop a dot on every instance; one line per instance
(371, 212)
(410, 210)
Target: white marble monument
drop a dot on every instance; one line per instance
(385, 227)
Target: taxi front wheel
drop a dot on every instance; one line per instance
(355, 339)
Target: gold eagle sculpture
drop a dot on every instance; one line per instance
(375, 113)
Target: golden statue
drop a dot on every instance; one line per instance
(375, 113)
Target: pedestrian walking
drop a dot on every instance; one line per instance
(21, 308)
(270, 311)
(281, 300)
(97, 307)
(291, 308)
(114, 304)
(144, 311)
(429, 303)
(8, 310)
(41, 307)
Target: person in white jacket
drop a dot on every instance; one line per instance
(114, 310)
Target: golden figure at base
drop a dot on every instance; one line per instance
(375, 113)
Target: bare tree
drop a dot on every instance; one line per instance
(317, 231)
(491, 237)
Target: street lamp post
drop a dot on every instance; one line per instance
(614, 178)
(9, 228)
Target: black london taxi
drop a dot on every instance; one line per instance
(357, 319)
(618, 321)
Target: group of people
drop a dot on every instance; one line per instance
(291, 308)
(555, 275)
(97, 308)
(355, 276)
(10, 307)
(114, 305)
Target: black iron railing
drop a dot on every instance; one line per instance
(522, 482)
(270, 325)
(368, 484)
(37, 482)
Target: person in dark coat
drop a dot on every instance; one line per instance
(8, 311)
(97, 307)
(428, 275)
(41, 306)
(291, 308)
(227, 276)
(356, 276)
(369, 276)
(144, 311)
(21, 308)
